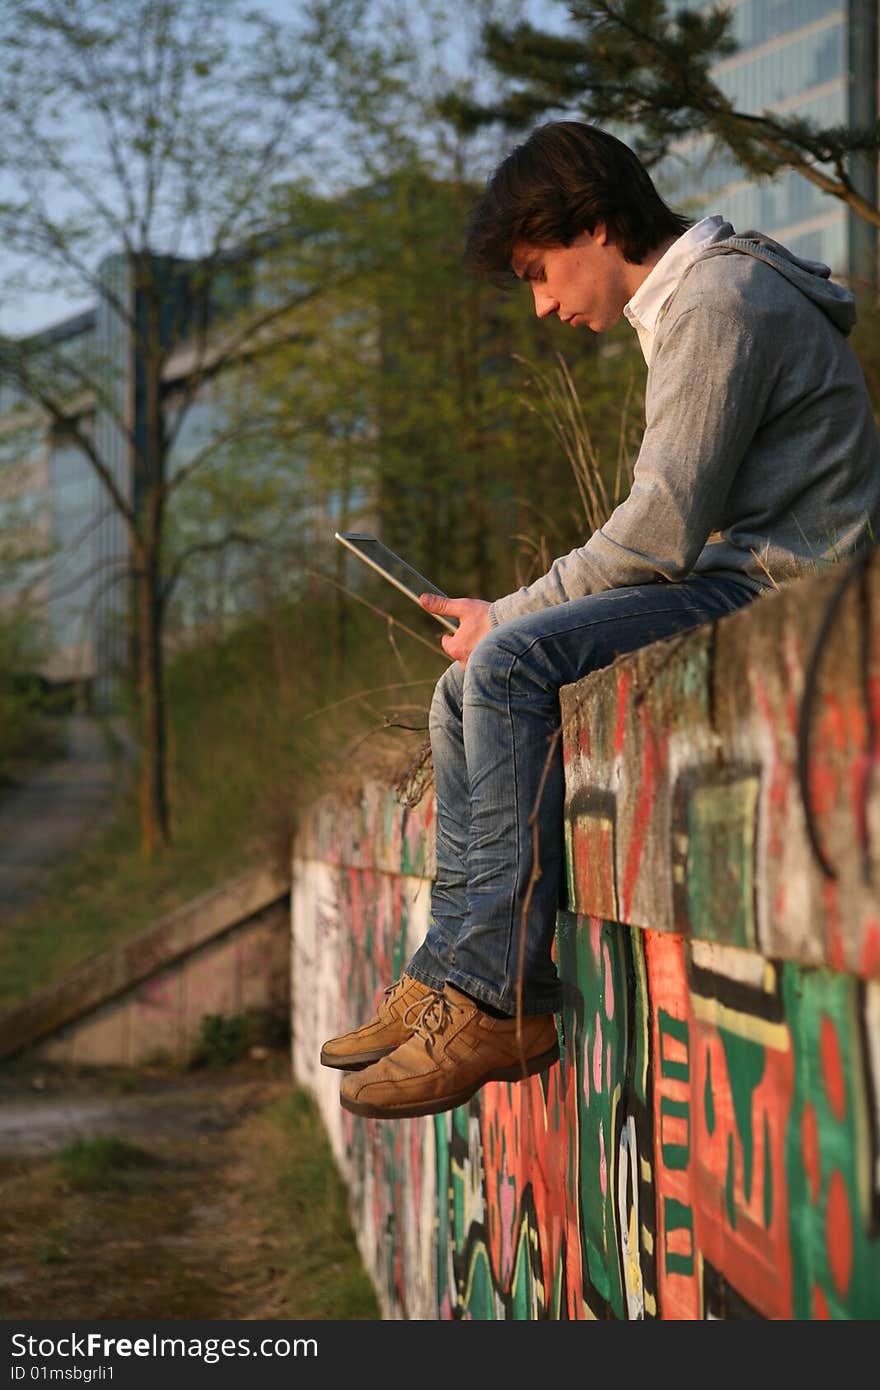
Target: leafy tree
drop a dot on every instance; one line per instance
(417, 397)
(468, 475)
(142, 143)
(414, 399)
(22, 698)
(646, 64)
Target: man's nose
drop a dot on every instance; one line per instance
(544, 303)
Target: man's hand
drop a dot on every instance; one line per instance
(473, 623)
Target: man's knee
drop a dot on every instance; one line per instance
(539, 652)
(500, 646)
(446, 701)
(516, 650)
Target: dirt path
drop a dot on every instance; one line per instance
(53, 811)
(190, 1227)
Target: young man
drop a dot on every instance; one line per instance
(759, 462)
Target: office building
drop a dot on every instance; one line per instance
(815, 59)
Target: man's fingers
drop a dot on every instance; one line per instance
(449, 607)
(438, 604)
(453, 650)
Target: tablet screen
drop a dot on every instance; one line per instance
(402, 575)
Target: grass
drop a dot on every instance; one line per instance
(226, 1038)
(257, 724)
(224, 1202)
(41, 743)
(102, 1163)
(322, 1273)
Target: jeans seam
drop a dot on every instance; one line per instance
(419, 973)
(603, 622)
(510, 925)
(499, 999)
(445, 713)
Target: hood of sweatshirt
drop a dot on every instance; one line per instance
(812, 278)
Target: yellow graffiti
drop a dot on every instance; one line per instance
(634, 1269)
(773, 1035)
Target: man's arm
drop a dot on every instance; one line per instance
(708, 390)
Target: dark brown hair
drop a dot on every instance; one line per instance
(561, 182)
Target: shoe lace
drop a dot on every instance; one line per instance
(428, 1016)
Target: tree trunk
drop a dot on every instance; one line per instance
(150, 465)
(155, 831)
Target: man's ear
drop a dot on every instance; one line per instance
(600, 234)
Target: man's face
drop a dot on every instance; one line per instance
(585, 284)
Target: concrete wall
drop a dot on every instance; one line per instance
(226, 952)
(709, 1145)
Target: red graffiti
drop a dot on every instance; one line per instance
(839, 1234)
(832, 1068)
(654, 761)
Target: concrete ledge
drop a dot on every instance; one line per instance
(135, 960)
(370, 830)
(684, 811)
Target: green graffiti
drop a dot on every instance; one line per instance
(444, 1181)
(678, 1217)
(675, 1155)
(811, 998)
(400, 955)
(412, 858)
(729, 1196)
(598, 1087)
(720, 861)
(746, 1061)
(641, 1019)
(708, 1098)
(523, 1293)
(768, 1176)
(395, 1214)
(675, 1030)
(458, 1179)
(479, 1296)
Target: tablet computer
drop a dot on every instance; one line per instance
(384, 561)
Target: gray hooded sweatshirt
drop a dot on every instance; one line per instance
(760, 459)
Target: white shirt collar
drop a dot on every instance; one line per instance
(644, 309)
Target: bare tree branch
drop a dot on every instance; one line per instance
(233, 537)
(253, 429)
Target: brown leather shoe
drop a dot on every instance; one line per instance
(392, 1025)
(454, 1049)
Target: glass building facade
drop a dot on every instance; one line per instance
(815, 59)
(24, 511)
(65, 549)
(51, 513)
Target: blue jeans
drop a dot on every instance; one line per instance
(492, 727)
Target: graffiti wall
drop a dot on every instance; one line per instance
(709, 1144)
